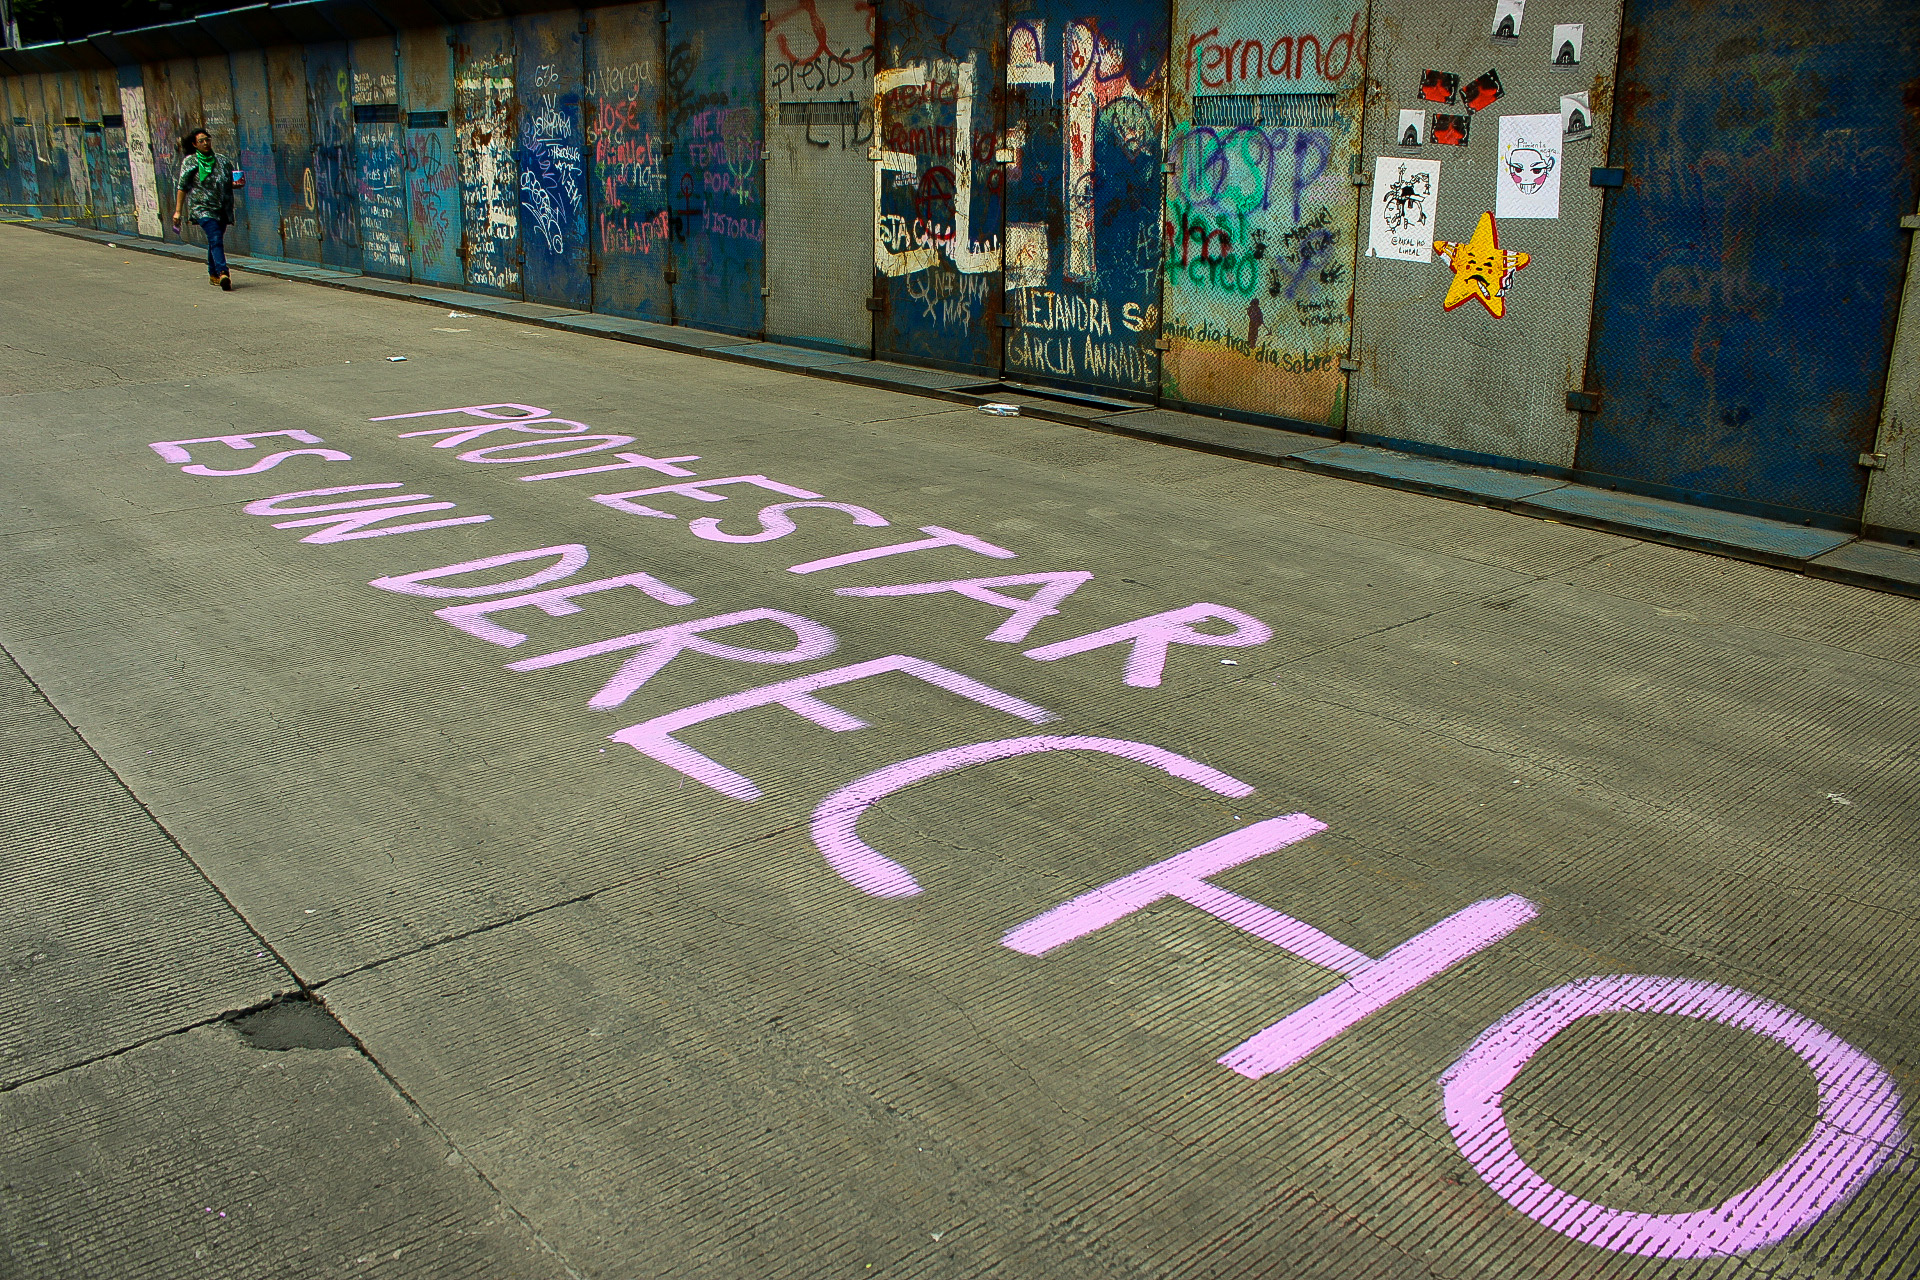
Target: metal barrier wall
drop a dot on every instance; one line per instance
(1377, 220)
(1438, 368)
(1751, 266)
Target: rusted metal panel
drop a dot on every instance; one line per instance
(432, 170)
(140, 174)
(1750, 268)
(937, 204)
(625, 81)
(715, 123)
(552, 154)
(1506, 377)
(1086, 107)
(335, 163)
(1261, 212)
(58, 196)
(381, 190)
(13, 187)
(293, 153)
(485, 112)
(173, 107)
(258, 203)
(100, 191)
(819, 127)
(215, 76)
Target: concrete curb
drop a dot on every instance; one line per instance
(1819, 553)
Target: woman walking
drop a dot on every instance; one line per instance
(205, 187)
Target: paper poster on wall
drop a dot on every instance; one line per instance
(1413, 129)
(1481, 93)
(1576, 117)
(1439, 86)
(1402, 220)
(1482, 270)
(1529, 167)
(1450, 131)
(1506, 19)
(1568, 39)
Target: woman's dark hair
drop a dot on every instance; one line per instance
(186, 139)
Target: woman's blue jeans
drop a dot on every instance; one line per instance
(216, 246)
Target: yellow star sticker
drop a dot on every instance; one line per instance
(1481, 268)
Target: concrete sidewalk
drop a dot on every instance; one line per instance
(945, 845)
(1823, 553)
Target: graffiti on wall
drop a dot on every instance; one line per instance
(629, 160)
(383, 202)
(552, 179)
(146, 196)
(489, 178)
(1260, 215)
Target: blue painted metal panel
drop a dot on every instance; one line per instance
(299, 212)
(552, 155)
(625, 83)
(432, 169)
(258, 202)
(21, 192)
(1750, 269)
(1085, 90)
(381, 188)
(484, 118)
(937, 238)
(715, 67)
(335, 165)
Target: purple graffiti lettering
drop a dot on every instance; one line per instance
(571, 558)
(555, 602)
(1027, 614)
(1152, 636)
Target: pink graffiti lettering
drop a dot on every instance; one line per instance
(837, 818)
(1373, 985)
(695, 489)
(555, 602)
(1152, 636)
(1857, 1131)
(271, 506)
(775, 523)
(271, 461)
(654, 738)
(527, 411)
(662, 645)
(1027, 614)
(457, 436)
(572, 557)
(174, 450)
(490, 452)
(939, 537)
(628, 461)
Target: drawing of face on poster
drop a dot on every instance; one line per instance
(1576, 117)
(1529, 167)
(1506, 19)
(1451, 131)
(1568, 38)
(1402, 223)
(1413, 129)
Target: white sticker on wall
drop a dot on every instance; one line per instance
(1413, 129)
(1529, 175)
(1401, 226)
(1576, 117)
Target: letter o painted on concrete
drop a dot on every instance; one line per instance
(1857, 1131)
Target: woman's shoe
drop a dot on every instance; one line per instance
(225, 282)
(213, 280)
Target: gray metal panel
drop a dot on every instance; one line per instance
(1893, 491)
(819, 122)
(1463, 380)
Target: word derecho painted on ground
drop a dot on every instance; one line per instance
(1858, 1130)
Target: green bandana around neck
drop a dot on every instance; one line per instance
(206, 166)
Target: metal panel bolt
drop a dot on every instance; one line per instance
(1874, 461)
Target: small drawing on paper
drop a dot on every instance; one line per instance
(1576, 117)
(1439, 86)
(1506, 19)
(1402, 223)
(1529, 167)
(1568, 38)
(1451, 131)
(1413, 128)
